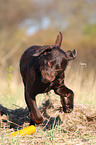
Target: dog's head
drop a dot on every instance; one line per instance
(52, 60)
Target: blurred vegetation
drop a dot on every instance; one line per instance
(75, 19)
(90, 29)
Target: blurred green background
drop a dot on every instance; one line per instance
(29, 22)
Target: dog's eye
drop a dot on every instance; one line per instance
(57, 66)
(53, 62)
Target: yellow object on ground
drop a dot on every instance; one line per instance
(25, 131)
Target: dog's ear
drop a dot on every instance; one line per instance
(42, 49)
(71, 54)
(58, 40)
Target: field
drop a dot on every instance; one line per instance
(78, 127)
(38, 23)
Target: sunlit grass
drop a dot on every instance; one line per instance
(57, 135)
(74, 128)
(14, 99)
(83, 83)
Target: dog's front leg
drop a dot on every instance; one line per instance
(67, 98)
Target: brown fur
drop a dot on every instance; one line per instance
(42, 69)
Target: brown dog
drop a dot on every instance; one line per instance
(42, 69)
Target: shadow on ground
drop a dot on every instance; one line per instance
(18, 117)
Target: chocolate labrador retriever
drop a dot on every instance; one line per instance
(42, 69)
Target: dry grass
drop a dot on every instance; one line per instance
(78, 127)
